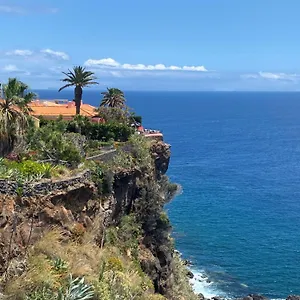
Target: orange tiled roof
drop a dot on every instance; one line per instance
(53, 109)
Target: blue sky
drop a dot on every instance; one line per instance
(154, 45)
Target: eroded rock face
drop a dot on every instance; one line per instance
(161, 153)
(23, 220)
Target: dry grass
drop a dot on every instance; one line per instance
(112, 273)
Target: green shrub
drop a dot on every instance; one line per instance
(51, 143)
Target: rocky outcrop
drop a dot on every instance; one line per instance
(73, 205)
(24, 219)
(161, 153)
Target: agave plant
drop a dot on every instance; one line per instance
(77, 290)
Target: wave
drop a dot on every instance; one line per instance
(202, 284)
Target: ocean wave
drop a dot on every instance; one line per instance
(202, 284)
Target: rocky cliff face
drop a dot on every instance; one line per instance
(74, 207)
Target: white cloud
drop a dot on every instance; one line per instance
(26, 9)
(10, 68)
(19, 52)
(111, 63)
(11, 9)
(55, 54)
(279, 76)
(272, 76)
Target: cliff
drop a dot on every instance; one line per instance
(87, 205)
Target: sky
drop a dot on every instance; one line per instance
(218, 45)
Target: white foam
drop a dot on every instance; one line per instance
(201, 284)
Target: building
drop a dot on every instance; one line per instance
(53, 109)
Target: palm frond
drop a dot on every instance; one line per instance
(65, 86)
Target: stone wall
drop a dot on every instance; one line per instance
(104, 157)
(43, 187)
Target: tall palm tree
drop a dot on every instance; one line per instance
(14, 111)
(113, 98)
(79, 78)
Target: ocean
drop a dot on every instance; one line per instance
(237, 158)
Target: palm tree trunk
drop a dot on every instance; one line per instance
(78, 98)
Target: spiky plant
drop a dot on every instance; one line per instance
(77, 289)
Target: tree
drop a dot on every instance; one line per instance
(79, 78)
(113, 98)
(14, 111)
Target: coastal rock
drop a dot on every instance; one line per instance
(293, 297)
(254, 297)
(190, 274)
(187, 262)
(161, 153)
(201, 296)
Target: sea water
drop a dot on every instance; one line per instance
(237, 158)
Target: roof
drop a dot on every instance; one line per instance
(54, 109)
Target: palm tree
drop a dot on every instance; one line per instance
(14, 111)
(113, 98)
(79, 78)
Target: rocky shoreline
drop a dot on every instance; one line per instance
(191, 275)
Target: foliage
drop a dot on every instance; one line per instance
(107, 132)
(126, 236)
(136, 118)
(113, 97)
(14, 111)
(77, 289)
(134, 154)
(181, 288)
(26, 170)
(53, 144)
(59, 265)
(92, 131)
(58, 269)
(114, 114)
(78, 77)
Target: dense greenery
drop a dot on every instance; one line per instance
(80, 78)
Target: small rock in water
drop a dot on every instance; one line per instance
(216, 298)
(201, 296)
(190, 274)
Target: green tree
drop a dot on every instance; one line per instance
(14, 111)
(113, 98)
(79, 78)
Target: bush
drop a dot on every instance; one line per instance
(107, 132)
(113, 114)
(51, 143)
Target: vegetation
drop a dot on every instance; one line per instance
(27, 170)
(13, 114)
(113, 97)
(79, 78)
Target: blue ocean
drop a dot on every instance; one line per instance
(237, 157)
